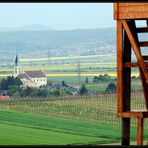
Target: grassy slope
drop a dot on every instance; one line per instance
(16, 135)
(27, 128)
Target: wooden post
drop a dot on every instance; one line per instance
(120, 80)
(127, 90)
(126, 14)
(140, 131)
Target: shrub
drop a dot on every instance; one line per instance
(111, 88)
(103, 78)
(83, 90)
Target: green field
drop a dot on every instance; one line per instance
(29, 129)
(18, 128)
(62, 121)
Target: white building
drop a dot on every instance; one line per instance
(32, 78)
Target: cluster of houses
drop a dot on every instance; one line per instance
(72, 89)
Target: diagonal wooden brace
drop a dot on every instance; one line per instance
(132, 24)
(136, 49)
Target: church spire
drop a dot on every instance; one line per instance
(16, 60)
(17, 68)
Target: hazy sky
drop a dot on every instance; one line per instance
(61, 16)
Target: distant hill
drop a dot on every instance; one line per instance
(31, 42)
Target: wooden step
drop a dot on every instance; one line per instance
(145, 57)
(134, 64)
(142, 30)
(133, 114)
(143, 44)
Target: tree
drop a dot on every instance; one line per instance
(18, 82)
(86, 80)
(42, 93)
(14, 91)
(111, 88)
(6, 83)
(56, 92)
(102, 78)
(63, 83)
(83, 90)
(27, 92)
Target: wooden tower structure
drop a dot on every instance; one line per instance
(126, 15)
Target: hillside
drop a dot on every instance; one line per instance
(60, 43)
(48, 42)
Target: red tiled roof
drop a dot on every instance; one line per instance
(4, 97)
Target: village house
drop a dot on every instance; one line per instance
(31, 78)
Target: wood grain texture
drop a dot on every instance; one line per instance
(133, 114)
(142, 76)
(136, 48)
(120, 78)
(127, 90)
(133, 64)
(130, 10)
(140, 131)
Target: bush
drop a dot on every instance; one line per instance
(83, 90)
(63, 83)
(42, 93)
(111, 88)
(29, 92)
(56, 93)
(102, 78)
(14, 91)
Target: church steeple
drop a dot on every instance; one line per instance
(16, 60)
(17, 68)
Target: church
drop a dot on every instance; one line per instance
(31, 78)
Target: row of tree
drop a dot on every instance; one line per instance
(111, 88)
(14, 87)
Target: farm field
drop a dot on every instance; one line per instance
(83, 119)
(66, 57)
(65, 68)
(29, 129)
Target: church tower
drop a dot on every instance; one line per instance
(17, 68)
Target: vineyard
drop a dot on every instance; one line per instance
(97, 108)
(84, 119)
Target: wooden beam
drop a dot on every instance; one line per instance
(142, 30)
(133, 64)
(143, 44)
(136, 49)
(143, 79)
(140, 131)
(145, 57)
(127, 73)
(127, 90)
(134, 114)
(120, 80)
